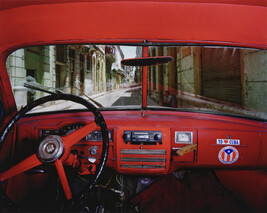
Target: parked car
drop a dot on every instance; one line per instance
(133, 106)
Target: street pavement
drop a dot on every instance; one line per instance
(119, 97)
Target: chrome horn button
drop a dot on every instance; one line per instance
(50, 149)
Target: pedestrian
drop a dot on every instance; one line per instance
(172, 101)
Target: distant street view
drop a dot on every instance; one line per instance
(225, 79)
(93, 71)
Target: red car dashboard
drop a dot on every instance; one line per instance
(152, 142)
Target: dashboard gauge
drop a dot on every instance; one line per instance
(184, 137)
(95, 135)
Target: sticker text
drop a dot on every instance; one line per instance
(228, 141)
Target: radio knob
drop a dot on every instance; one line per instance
(157, 137)
(127, 137)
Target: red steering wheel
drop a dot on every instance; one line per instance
(55, 149)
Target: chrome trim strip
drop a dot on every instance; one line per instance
(143, 160)
(143, 151)
(143, 166)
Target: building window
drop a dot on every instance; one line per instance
(61, 53)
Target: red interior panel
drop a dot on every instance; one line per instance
(159, 158)
(188, 157)
(228, 24)
(136, 158)
(208, 149)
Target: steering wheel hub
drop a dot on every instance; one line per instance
(50, 149)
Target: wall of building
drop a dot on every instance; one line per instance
(34, 62)
(183, 78)
(17, 73)
(255, 69)
(177, 76)
(41, 64)
(185, 69)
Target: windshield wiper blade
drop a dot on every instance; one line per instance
(39, 88)
(95, 102)
(36, 86)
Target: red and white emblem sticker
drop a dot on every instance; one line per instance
(228, 155)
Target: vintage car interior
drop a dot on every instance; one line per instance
(133, 106)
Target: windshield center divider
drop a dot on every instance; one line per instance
(144, 77)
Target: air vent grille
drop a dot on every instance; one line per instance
(143, 159)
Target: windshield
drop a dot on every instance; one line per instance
(216, 79)
(93, 72)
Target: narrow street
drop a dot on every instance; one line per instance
(130, 96)
(121, 97)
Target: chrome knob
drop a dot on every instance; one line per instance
(92, 150)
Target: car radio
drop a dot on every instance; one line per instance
(142, 137)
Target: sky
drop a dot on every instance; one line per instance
(128, 51)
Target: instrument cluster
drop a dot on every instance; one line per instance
(95, 135)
